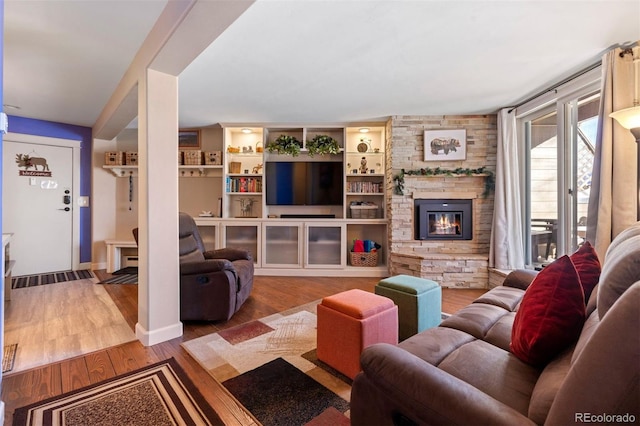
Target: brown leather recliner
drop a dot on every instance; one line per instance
(213, 284)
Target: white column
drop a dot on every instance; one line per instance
(158, 267)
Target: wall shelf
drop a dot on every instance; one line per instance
(184, 171)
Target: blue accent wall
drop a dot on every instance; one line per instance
(30, 126)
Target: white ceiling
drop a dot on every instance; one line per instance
(313, 61)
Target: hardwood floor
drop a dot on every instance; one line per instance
(270, 295)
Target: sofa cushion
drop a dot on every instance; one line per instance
(478, 364)
(620, 271)
(475, 319)
(500, 333)
(548, 385)
(588, 266)
(434, 344)
(604, 377)
(551, 314)
(504, 297)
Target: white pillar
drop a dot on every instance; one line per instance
(158, 267)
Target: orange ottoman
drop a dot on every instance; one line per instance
(350, 321)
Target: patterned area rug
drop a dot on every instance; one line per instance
(160, 394)
(272, 354)
(56, 277)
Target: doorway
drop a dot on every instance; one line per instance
(40, 179)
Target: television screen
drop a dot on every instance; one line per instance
(304, 183)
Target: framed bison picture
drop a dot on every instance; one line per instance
(445, 145)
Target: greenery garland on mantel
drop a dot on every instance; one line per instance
(489, 178)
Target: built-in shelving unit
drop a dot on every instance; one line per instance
(291, 239)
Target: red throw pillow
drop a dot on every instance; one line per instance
(551, 314)
(588, 266)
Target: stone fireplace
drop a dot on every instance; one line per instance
(450, 258)
(443, 219)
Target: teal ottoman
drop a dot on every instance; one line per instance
(419, 302)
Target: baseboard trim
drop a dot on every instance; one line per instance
(153, 337)
(98, 266)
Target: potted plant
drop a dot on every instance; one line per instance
(285, 144)
(322, 144)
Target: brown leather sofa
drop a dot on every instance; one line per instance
(213, 284)
(464, 373)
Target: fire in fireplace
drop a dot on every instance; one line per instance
(443, 219)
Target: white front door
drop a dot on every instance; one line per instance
(38, 206)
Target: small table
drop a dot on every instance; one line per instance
(114, 252)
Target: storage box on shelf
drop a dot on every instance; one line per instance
(131, 158)
(364, 258)
(114, 158)
(192, 157)
(363, 210)
(213, 158)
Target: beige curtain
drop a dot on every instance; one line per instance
(612, 203)
(507, 247)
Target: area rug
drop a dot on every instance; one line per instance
(56, 277)
(121, 279)
(272, 354)
(160, 394)
(9, 357)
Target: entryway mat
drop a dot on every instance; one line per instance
(55, 277)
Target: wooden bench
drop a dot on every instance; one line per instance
(114, 252)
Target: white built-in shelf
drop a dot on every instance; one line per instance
(253, 175)
(184, 171)
(365, 193)
(244, 193)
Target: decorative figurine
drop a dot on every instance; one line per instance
(363, 165)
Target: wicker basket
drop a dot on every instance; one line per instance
(235, 167)
(364, 212)
(131, 158)
(192, 157)
(233, 149)
(364, 259)
(114, 158)
(213, 158)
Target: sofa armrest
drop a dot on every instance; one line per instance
(428, 395)
(520, 278)
(230, 254)
(206, 266)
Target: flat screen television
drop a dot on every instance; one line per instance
(304, 183)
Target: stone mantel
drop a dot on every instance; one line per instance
(446, 194)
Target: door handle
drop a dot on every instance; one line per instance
(66, 209)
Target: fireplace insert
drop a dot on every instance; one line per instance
(443, 219)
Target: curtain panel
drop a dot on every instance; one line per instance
(507, 246)
(612, 201)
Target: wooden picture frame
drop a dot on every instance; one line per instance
(189, 139)
(445, 145)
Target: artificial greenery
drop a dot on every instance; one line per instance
(285, 144)
(489, 178)
(322, 144)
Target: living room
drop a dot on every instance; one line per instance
(404, 127)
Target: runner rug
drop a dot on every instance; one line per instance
(270, 366)
(56, 277)
(160, 394)
(121, 279)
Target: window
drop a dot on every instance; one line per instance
(558, 134)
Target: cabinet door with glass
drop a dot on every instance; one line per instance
(282, 245)
(245, 235)
(324, 246)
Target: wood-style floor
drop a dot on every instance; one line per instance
(270, 295)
